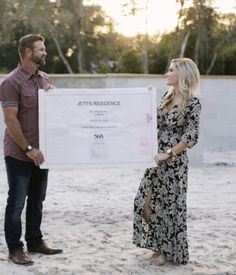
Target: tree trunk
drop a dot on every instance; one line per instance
(212, 63)
(200, 30)
(215, 55)
(145, 50)
(182, 2)
(196, 50)
(184, 43)
(80, 49)
(66, 63)
(145, 61)
(175, 34)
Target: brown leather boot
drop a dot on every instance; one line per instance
(18, 256)
(43, 249)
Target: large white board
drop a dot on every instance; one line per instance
(98, 128)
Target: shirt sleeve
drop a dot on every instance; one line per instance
(9, 94)
(45, 79)
(191, 129)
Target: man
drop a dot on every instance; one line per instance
(19, 99)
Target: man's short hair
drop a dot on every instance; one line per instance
(27, 41)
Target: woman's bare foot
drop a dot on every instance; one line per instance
(156, 254)
(160, 260)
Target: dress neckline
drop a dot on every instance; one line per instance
(173, 107)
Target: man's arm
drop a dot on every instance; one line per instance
(15, 131)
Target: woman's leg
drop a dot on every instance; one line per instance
(147, 208)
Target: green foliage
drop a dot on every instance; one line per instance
(81, 39)
(129, 62)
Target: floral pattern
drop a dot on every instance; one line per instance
(167, 228)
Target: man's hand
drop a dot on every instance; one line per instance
(48, 87)
(36, 155)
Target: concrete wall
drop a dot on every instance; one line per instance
(218, 96)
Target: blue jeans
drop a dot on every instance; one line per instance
(24, 180)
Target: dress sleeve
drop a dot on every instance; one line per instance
(191, 128)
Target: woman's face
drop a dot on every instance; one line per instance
(172, 76)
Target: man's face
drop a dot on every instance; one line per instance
(39, 53)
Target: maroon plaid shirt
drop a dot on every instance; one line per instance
(20, 89)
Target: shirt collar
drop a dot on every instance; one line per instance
(28, 75)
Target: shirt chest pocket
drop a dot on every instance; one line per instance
(29, 98)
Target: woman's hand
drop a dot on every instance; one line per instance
(160, 157)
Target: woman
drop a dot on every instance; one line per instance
(160, 213)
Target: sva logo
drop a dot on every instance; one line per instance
(98, 136)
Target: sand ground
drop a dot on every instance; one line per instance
(89, 214)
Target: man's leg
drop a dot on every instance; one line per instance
(34, 210)
(18, 174)
(36, 196)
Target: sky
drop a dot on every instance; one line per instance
(162, 15)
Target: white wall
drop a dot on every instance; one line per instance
(218, 96)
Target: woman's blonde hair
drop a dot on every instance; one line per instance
(188, 80)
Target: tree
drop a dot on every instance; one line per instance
(81, 38)
(62, 23)
(199, 25)
(129, 62)
(131, 7)
(224, 44)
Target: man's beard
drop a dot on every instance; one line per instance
(37, 60)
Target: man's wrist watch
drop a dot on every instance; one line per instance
(28, 148)
(171, 153)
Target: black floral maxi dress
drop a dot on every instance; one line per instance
(167, 228)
